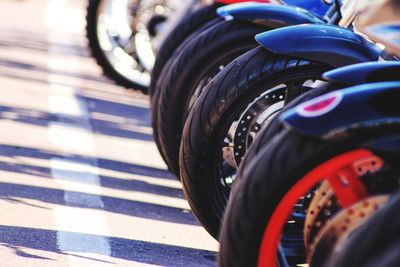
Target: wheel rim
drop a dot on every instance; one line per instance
(124, 39)
(257, 114)
(342, 173)
(152, 15)
(263, 109)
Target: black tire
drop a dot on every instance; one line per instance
(189, 24)
(221, 103)
(263, 182)
(375, 243)
(98, 53)
(201, 56)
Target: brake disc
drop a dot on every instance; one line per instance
(327, 224)
(258, 113)
(321, 208)
(338, 229)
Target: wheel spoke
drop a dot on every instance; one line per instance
(282, 261)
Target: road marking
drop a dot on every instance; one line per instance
(71, 137)
(72, 133)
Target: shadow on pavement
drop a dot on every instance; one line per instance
(130, 118)
(106, 181)
(18, 238)
(106, 117)
(16, 38)
(103, 163)
(10, 191)
(33, 67)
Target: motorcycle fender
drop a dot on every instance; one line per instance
(273, 16)
(387, 147)
(327, 44)
(340, 112)
(368, 72)
(229, 2)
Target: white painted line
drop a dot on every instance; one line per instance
(71, 173)
(81, 227)
(60, 104)
(87, 240)
(59, 16)
(72, 176)
(70, 137)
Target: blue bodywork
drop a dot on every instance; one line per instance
(323, 43)
(360, 106)
(316, 6)
(385, 146)
(365, 73)
(274, 16)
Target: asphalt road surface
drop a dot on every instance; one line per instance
(81, 181)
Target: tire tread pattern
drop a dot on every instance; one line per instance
(232, 84)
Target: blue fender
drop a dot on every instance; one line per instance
(340, 112)
(274, 16)
(316, 6)
(327, 44)
(365, 73)
(388, 147)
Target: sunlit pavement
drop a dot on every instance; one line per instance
(81, 181)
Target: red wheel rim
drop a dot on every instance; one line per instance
(330, 170)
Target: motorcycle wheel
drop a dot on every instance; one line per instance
(193, 65)
(112, 30)
(275, 126)
(216, 133)
(189, 24)
(375, 243)
(287, 171)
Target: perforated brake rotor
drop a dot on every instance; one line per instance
(324, 204)
(262, 110)
(257, 114)
(321, 208)
(341, 226)
(328, 223)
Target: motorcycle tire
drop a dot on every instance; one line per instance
(375, 243)
(189, 24)
(275, 126)
(222, 103)
(195, 62)
(264, 182)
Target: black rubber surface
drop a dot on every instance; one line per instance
(224, 99)
(215, 45)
